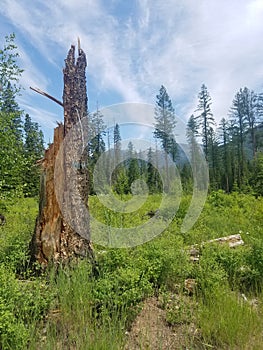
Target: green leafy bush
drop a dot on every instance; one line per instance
(22, 304)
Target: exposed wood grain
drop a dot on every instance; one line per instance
(54, 240)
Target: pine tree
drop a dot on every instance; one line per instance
(33, 151)
(117, 143)
(133, 170)
(191, 135)
(258, 131)
(238, 129)
(153, 178)
(224, 136)
(34, 139)
(165, 123)
(12, 160)
(251, 102)
(205, 119)
(121, 185)
(257, 178)
(119, 177)
(214, 166)
(96, 145)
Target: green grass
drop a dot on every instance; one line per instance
(72, 309)
(228, 322)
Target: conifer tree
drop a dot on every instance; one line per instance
(117, 143)
(239, 127)
(165, 123)
(33, 151)
(191, 136)
(205, 119)
(96, 145)
(153, 178)
(133, 170)
(225, 155)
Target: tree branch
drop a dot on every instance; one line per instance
(47, 95)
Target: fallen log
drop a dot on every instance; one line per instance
(232, 241)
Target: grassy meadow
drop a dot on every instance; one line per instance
(69, 308)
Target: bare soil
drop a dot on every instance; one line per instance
(150, 330)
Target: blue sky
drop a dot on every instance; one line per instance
(135, 46)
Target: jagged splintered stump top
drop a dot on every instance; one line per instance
(75, 99)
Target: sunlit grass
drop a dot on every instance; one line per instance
(70, 308)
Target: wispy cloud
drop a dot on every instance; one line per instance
(32, 76)
(134, 47)
(40, 115)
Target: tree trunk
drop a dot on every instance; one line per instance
(55, 238)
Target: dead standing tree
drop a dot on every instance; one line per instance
(54, 239)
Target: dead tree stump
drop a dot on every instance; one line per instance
(54, 239)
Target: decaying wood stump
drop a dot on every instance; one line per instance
(55, 239)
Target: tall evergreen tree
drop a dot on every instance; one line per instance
(258, 133)
(96, 145)
(191, 136)
(239, 127)
(214, 166)
(257, 175)
(153, 178)
(12, 160)
(117, 143)
(133, 170)
(119, 176)
(250, 105)
(205, 119)
(225, 155)
(33, 151)
(165, 123)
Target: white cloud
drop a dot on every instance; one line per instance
(39, 115)
(176, 43)
(32, 76)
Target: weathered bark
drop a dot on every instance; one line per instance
(55, 238)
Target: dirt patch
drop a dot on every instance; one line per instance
(150, 330)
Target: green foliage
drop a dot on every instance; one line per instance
(96, 145)
(210, 275)
(22, 305)
(23, 302)
(257, 178)
(17, 232)
(12, 161)
(95, 312)
(228, 323)
(165, 119)
(205, 119)
(165, 123)
(117, 143)
(9, 75)
(153, 177)
(18, 153)
(33, 151)
(179, 311)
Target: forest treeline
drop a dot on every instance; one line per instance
(21, 140)
(233, 149)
